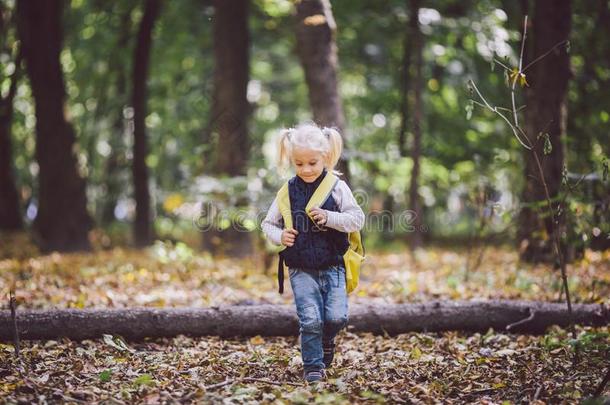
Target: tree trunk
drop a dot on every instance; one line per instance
(62, 222)
(230, 108)
(230, 115)
(10, 214)
(546, 113)
(414, 200)
(142, 226)
(405, 77)
(281, 320)
(318, 54)
(116, 162)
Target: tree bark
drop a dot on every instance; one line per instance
(414, 200)
(62, 222)
(405, 77)
(10, 214)
(230, 115)
(142, 226)
(317, 51)
(230, 108)
(546, 113)
(281, 320)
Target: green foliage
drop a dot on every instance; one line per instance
(105, 376)
(460, 152)
(145, 379)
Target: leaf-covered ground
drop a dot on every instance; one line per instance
(167, 275)
(413, 368)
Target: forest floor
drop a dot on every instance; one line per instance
(449, 367)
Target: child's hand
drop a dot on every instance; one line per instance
(288, 236)
(319, 215)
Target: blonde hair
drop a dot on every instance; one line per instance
(326, 140)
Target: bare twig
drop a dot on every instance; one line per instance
(523, 42)
(558, 44)
(497, 111)
(512, 88)
(220, 384)
(501, 64)
(529, 319)
(557, 249)
(529, 145)
(230, 381)
(262, 380)
(12, 305)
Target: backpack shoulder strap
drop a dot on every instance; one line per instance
(323, 191)
(283, 201)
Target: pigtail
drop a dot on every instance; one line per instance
(284, 149)
(335, 147)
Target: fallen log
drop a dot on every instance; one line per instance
(280, 320)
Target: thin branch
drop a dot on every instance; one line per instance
(220, 384)
(565, 41)
(12, 305)
(230, 381)
(479, 104)
(495, 110)
(571, 188)
(524, 321)
(474, 86)
(501, 64)
(515, 127)
(523, 42)
(263, 380)
(512, 88)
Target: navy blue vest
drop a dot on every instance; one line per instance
(314, 247)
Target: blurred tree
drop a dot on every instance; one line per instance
(142, 226)
(458, 156)
(228, 125)
(545, 125)
(115, 164)
(62, 222)
(417, 46)
(317, 51)
(405, 79)
(10, 215)
(588, 104)
(230, 108)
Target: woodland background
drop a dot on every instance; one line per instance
(137, 161)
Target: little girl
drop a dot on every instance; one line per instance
(314, 251)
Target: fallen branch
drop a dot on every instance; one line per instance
(220, 384)
(265, 381)
(280, 320)
(231, 381)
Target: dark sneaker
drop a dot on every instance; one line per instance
(314, 375)
(329, 353)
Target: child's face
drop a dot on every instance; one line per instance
(308, 163)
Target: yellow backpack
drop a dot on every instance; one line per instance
(353, 257)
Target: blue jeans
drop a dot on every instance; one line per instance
(320, 297)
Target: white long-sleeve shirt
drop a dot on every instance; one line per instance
(350, 217)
